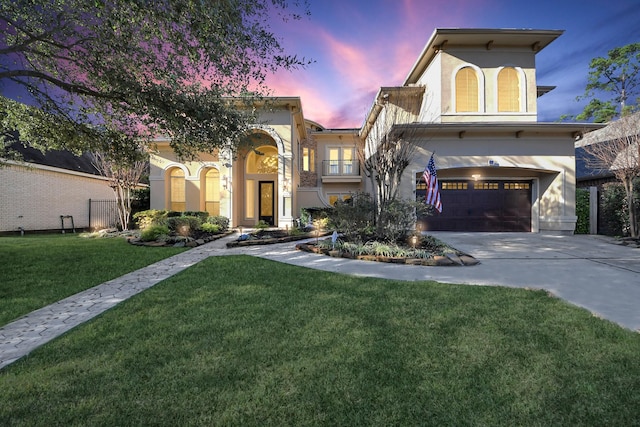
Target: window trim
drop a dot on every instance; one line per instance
(522, 83)
(481, 89)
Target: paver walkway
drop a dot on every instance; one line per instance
(19, 338)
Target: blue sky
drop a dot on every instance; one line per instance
(360, 45)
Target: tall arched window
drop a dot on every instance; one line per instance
(508, 90)
(466, 90)
(212, 192)
(177, 197)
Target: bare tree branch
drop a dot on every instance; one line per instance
(619, 154)
(388, 145)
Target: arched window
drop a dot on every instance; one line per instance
(212, 192)
(177, 197)
(466, 90)
(265, 161)
(508, 90)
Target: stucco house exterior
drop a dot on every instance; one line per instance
(499, 169)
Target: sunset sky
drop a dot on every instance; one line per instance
(360, 45)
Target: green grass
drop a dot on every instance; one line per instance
(249, 342)
(38, 270)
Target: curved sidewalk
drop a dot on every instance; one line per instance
(587, 271)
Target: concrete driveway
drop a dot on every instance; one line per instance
(588, 271)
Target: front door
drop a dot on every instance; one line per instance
(266, 201)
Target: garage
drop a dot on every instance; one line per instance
(488, 205)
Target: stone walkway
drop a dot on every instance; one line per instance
(19, 338)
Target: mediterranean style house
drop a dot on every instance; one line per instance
(499, 169)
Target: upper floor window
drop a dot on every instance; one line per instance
(508, 90)
(308, 159)
(341, 161)
(466, 90)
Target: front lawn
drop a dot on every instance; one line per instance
(245, 341)
(38, 270)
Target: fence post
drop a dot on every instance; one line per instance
(593, 210)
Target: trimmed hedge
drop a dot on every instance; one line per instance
(175, 219)
(582, 211)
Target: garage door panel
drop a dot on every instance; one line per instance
(484, 206)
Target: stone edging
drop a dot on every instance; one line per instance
(257, 242)
(438, 260)
(179, 244)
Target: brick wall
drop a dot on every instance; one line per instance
(34, 197)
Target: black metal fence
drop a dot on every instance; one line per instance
(103, 214)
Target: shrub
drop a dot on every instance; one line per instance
(309, 215)
(203, 215)
(612, 212)
(150, 217)
(221, 221)
(261, 225)
(353, 217)
(210, 228)
(582, 211)
(184, 225)
(154, 232)
(398, 219)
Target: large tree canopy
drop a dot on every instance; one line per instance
(102, 75)
(614, 84)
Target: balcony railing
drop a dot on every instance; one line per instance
(340, 168)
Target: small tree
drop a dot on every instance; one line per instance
(124, 175)
(389, 143)
(621, 155)
(614, 81)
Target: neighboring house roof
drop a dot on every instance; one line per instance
(602, 136)
(55, 158)
(584, 172)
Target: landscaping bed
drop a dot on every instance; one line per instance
(450, 257)
(196, 239)
(271, 236)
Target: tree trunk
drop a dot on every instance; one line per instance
(124, 206)
(633, 226)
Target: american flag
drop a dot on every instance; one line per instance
(431, 179)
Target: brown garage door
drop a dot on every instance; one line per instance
(480, 206)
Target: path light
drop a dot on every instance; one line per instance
(414, 240)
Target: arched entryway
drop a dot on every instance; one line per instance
(260, 177)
